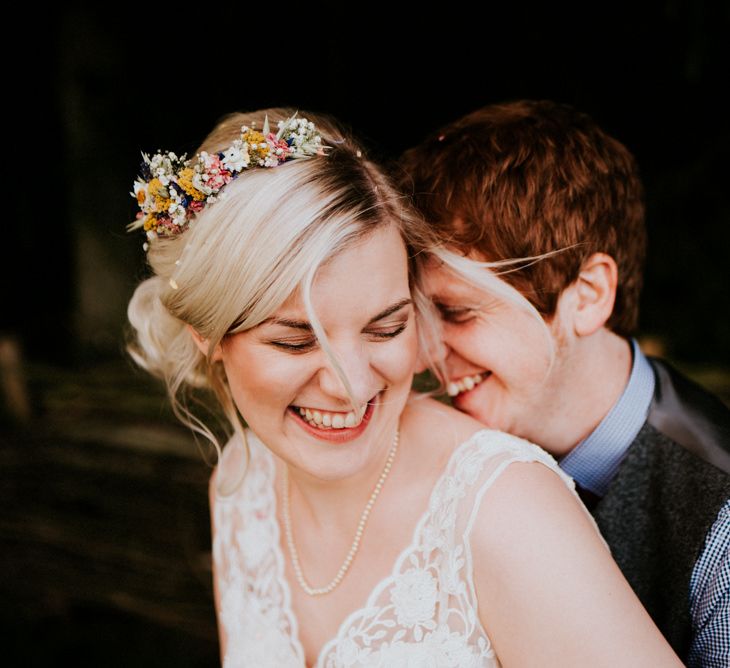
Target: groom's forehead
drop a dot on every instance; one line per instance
(442, 283)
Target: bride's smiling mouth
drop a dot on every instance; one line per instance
(332, 425)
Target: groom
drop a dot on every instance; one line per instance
(649, 450)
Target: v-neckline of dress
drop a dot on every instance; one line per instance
(381, 584)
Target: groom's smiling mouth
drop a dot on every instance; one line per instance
(457, 386)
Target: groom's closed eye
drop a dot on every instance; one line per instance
(455, 314)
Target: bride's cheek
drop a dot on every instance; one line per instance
(402, 360)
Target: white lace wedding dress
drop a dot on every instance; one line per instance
(423, 614)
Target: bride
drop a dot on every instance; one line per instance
(354, 523)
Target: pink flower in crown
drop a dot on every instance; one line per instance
(279, 147)
(215, 175)
(166, 227)
(195, 206)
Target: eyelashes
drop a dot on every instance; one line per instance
(388, 334)
(456, 314)
(292, 347)
(305, 345)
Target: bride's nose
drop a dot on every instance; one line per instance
(353, 367)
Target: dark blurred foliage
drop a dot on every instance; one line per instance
(87, 89)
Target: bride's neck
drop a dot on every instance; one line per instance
(332, 503)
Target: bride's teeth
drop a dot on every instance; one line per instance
(468, 383)
(324, 420)
(477, 379)
(452, 389)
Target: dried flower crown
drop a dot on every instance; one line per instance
(171, 190)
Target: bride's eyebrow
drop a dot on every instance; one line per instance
(286, 322)
(307, 327)
(390, 310)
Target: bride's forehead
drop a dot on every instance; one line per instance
(377, 260)
(367, 276)
(358, 308)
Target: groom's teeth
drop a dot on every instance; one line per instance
(464, 384)
(338, 422)
(350, 419)
(327, 420)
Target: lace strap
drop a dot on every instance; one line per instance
(511, 451)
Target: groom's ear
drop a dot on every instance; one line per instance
(592, 295)
(204, 345)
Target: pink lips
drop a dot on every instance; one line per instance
(335, 435)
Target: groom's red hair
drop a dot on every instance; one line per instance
(525, 178)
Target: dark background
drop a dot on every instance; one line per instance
(90, 90)
(104, 541)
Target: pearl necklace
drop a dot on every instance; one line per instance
(318, 591)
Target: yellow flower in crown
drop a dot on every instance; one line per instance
(170, 190)
(185, 181)
(258, 147)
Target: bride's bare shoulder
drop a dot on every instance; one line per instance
(431, 420)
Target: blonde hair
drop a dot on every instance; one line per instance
(246, 254)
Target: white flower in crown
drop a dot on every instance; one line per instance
(236, 158)
(163, 166)
(177, 213)
(198, 182)
(302, 134)
(141, 194)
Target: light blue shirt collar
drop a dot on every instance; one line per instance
(593, 463)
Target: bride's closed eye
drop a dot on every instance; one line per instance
(294, 345)
(387, 331)
(305, 344)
